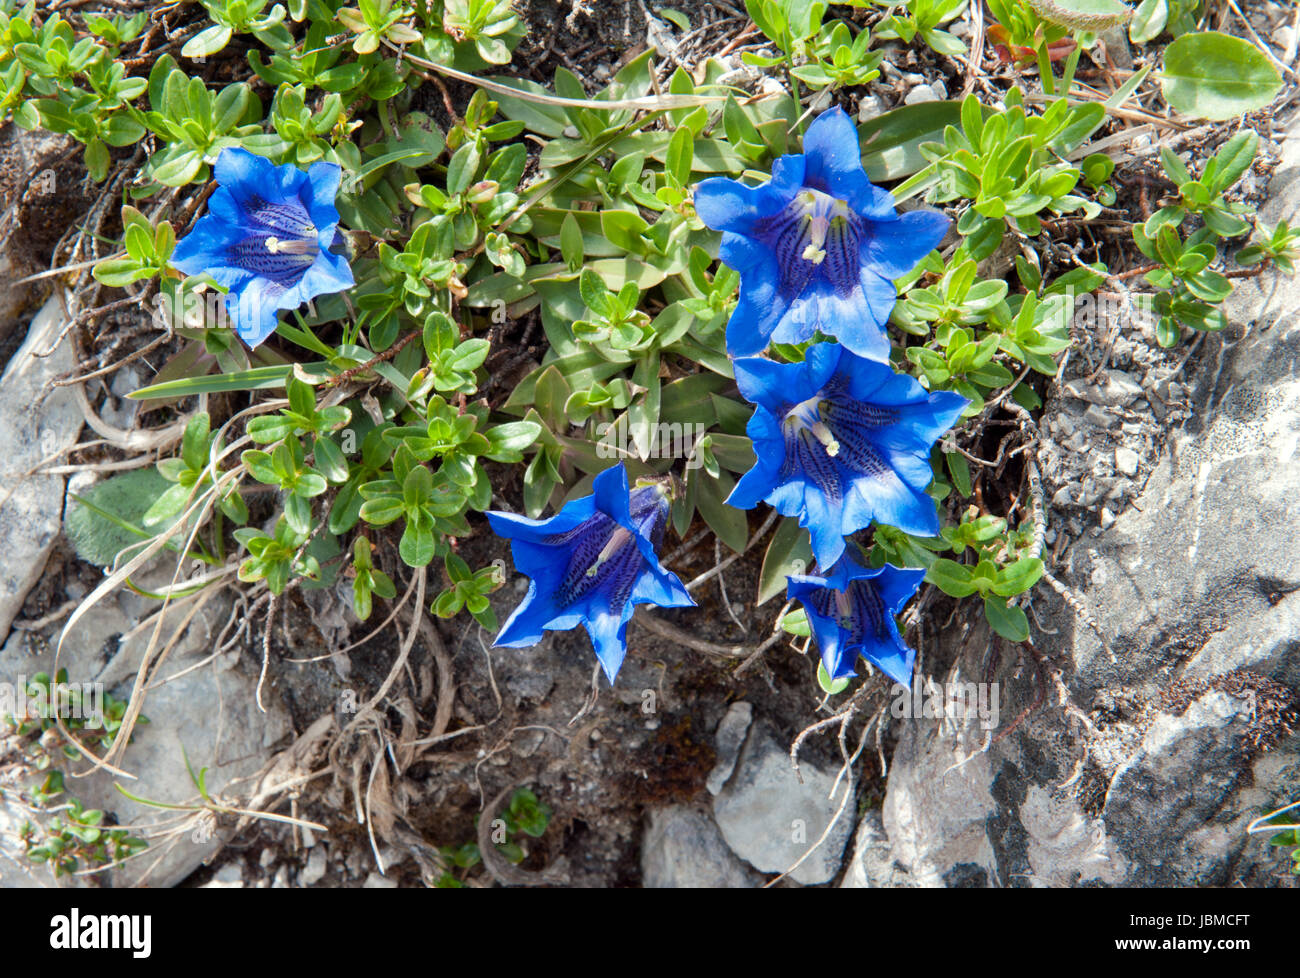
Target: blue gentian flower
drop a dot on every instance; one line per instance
(590, 564)
(841, 441)
(267, 238)
(817, 246)
(851, 613)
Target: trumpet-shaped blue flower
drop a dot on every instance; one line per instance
(266, 238)
(851, 613)
(817, 247)
(841, 441)
(590, 564)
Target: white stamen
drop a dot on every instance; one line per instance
(808, 414)
(617, 540)
(820, 211)
(845, 612)
(295, 246)
(823, 435)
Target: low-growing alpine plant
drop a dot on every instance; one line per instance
(515, 306)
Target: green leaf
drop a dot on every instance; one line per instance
(207, 42)
(796, 623)
(1019, 577)
(461, 169)
(1214, 76)
(959, 469)
(1234, 158)
(790, 552)
(730, 524)
(680, 155)
(829, 685)
(508, 440)
(571, 242)
(258, 378)
(891, 142)
(1148, 21)
(951, 578)
(1009, 622)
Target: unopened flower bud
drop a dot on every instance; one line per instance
(482, 192)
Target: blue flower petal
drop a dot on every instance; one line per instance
(328, 274)
(524, 627)
(897, 587)
(243, 173)
(788, 173)
(765, 434)
(743, 253)
(662, 588)
(817, 246)
(759, 311)
(729, 205)
(195, 251)
(229, 215)
(513, 526)
(834, 165)
(824, 522)
(319, 194)
(841, 442)
(608, 633)
(253, 309)
(610, 491)
(895, 247)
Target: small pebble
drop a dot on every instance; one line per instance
(314, 871)
(1127, 461)
(870, 106)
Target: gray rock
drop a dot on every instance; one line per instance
(728, 740)
(872, 865)
(1099, 417)
(921, 93)
(36, 421)
(209, 715)
(936, 808)
(1162, 802)
(1153, 778)
(314, 871)
(1118, 390)
(770, 819)
(870, 106)
(1127, 461)
(683, 849)
(228, 877)
(1122, 388)
(376, 882)
(35, 153)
